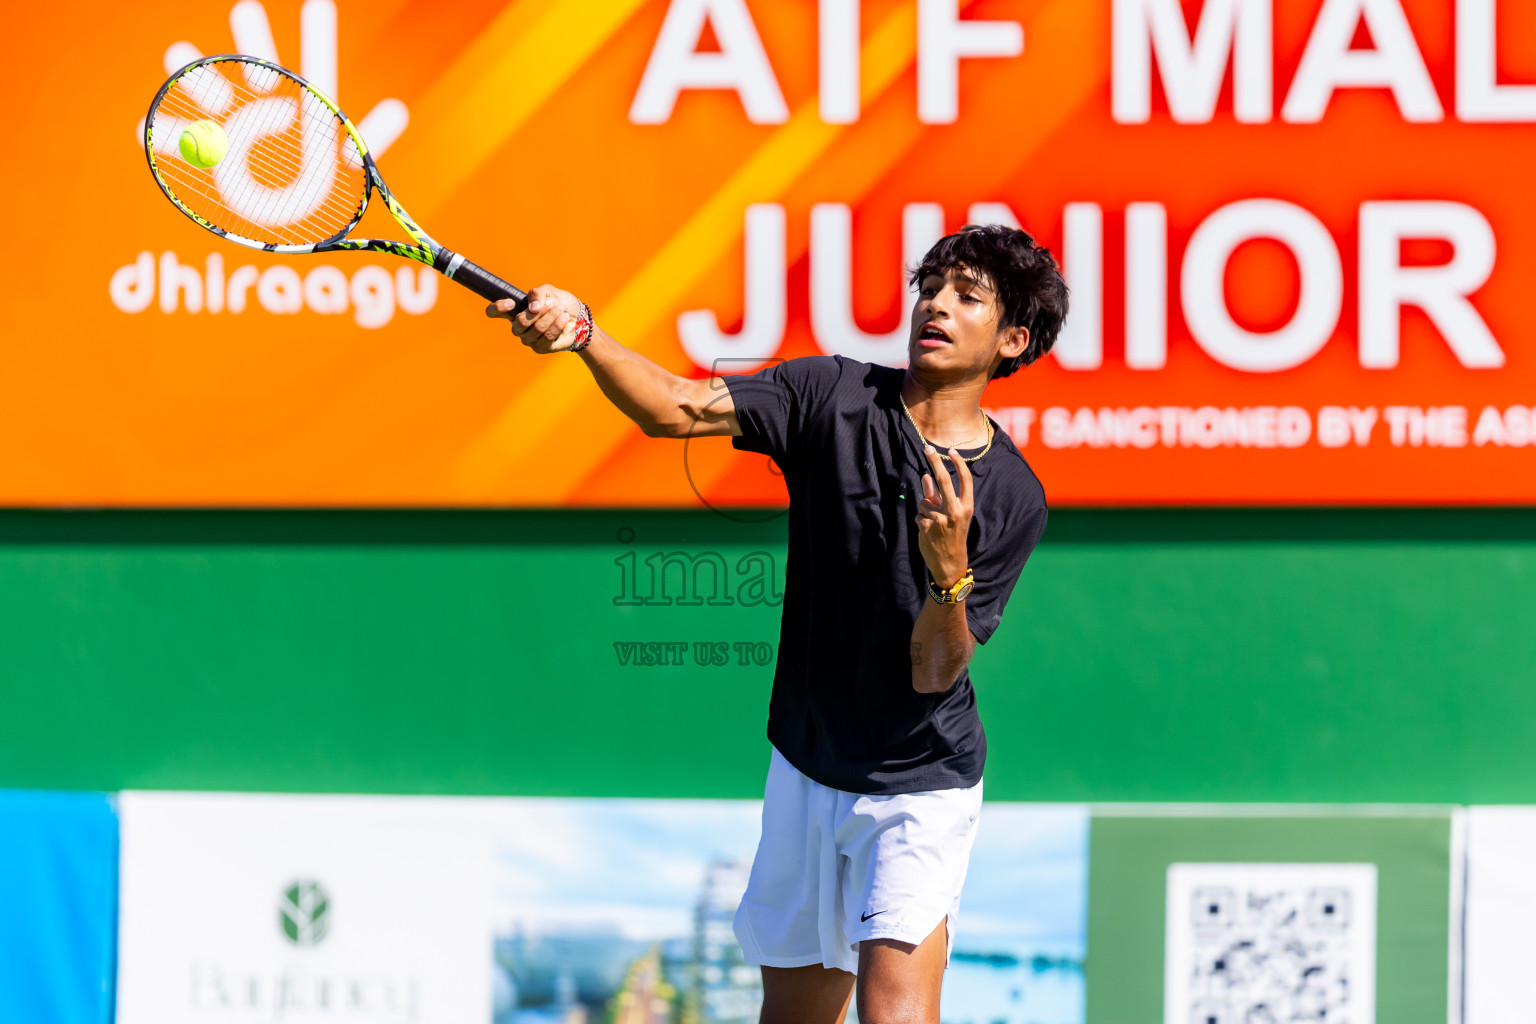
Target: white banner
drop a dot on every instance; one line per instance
(363, 910)
(1500, 909)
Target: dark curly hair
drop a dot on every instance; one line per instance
(1024, 276)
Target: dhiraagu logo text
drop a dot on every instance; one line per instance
(371, 293)
(304, 913)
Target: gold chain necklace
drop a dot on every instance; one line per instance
(986, 422)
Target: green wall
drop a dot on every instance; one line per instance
(1152, 655)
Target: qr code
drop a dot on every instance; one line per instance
(1270, 944)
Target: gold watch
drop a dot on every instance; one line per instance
(956, 593)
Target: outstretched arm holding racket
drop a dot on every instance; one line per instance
(660, 402)
(257, 155)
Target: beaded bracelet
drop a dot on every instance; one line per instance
(584, 329)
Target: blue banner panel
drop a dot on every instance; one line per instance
(58, 863)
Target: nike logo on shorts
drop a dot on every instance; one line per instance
(866, 917)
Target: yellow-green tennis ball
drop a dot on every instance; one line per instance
(203, 144)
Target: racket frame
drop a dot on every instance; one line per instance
(426, 250)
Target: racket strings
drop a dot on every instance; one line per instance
(285, 178)
(297, 215)
(282, 156)
(285, 187)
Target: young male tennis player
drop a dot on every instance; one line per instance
(896, 571)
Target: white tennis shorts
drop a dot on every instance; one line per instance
(835, 868)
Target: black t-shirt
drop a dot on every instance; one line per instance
(843, 709)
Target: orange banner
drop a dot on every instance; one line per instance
(1299, 237)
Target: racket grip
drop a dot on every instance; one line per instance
(479, 280)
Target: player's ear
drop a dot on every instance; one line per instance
(1014, 341)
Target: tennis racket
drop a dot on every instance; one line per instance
(296, 176)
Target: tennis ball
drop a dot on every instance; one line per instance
(203, 144)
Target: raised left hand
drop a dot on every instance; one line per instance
(944, 518)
